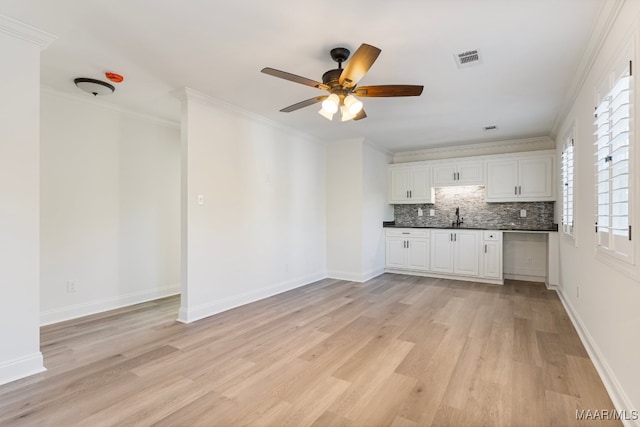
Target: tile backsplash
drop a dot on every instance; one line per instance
(475, 211)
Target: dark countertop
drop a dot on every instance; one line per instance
(392, 224)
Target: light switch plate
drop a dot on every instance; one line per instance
(201, 199)
(420, 212)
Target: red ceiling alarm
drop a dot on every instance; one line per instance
(116, 78)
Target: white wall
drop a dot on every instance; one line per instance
(19, 199)
(262, 228)
(606, 310)
(110, 207)
(375, 208)
(357, 203)
(344, 209)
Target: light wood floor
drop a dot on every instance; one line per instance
(397, 350)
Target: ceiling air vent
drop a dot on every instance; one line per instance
(468, 58)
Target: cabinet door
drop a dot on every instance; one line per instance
(395, 253)
(492, 260)
(467, 253)
(502, 180)
(535, 178)
(441, 251)
(418, 254)
(470, 173)
(399, 185)
(444, 175)
(420, 186)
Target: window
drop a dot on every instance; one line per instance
(567, 185)
(613, 126)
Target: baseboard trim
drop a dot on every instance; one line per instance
(192, 314)
(444, 276)
(23, 367)
(355, 277)
(525, 277)
(618, 396)
(85, 309)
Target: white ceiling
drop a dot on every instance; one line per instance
(531, 50)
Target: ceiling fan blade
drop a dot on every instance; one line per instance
(361, 115)
(303, 104)
(389, 90)
(358, 65)
(294, 78)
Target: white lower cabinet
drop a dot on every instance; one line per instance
(492, 255)
(463, 253)
(456, 251)
(407, 249)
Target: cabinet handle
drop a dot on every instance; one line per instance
(515, 190)
(485, 249)
(407, 194)
(407, 244)
(404, 232)
(455, 237)
(457, 176)
(410, 194)
(520, 190)
(451, 237)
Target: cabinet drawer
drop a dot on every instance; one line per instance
(407, 232)
(492, 235)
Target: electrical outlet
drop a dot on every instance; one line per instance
(201, 199)
(420, 213)
(432, 212)
(71, 286)
(523, 213)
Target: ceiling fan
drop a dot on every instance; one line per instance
(342, 84)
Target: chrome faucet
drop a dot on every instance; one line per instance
(458, 220)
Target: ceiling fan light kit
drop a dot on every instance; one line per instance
(342, 85)
(353, 104)
(331, 104)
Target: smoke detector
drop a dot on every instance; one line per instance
(468, 58)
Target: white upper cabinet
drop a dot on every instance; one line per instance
(517, 177)
(520, 179)
(410, 184)
(461, 173)
(535, 178)
(398, 184)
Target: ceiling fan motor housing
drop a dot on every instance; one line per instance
(331, 77)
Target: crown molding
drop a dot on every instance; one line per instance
(25, 32)
(378, 148)
(479, 149)
(102, 104)
(187, 94)
(607, 15)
